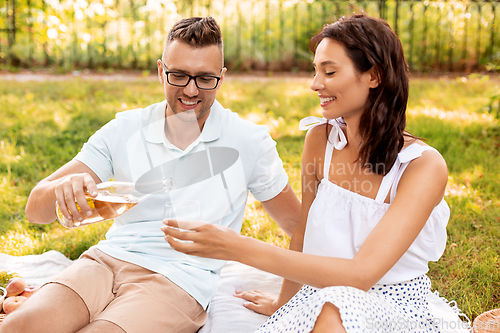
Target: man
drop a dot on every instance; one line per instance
(133, 281)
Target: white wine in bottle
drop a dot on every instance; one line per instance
(104, 207)
(113, 199)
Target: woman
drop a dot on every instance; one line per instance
(373, 213)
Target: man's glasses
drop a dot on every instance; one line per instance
(204, 82)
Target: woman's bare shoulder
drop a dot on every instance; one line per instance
(317, 136)
(428, 159)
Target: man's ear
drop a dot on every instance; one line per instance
(160, 72)
(374, 77)
(224, 70)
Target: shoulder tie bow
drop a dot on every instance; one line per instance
(337, 136)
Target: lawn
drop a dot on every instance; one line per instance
(44, 124)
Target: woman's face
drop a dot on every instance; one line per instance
(343, 92)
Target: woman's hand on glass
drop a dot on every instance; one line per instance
(207, 240)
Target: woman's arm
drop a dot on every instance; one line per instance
(420, 189)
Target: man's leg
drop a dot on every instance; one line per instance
(74, 298)
(55, 308)
(146, 301)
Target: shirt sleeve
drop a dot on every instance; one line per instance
(96, 152)
(268, 177)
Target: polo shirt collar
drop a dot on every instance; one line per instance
(211, 130)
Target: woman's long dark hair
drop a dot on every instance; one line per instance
(370, 42)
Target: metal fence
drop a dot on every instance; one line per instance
(262, 35)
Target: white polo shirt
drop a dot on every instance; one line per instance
(237, 156)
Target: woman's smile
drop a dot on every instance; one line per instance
(325, 101)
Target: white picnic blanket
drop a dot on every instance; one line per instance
(226, 313)
(35, 269)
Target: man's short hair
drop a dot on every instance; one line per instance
(196, 31)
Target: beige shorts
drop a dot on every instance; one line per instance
(130, 296)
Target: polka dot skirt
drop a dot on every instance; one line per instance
(400, 307)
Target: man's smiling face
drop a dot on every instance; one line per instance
(190, 103)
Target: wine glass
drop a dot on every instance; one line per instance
(186, 214)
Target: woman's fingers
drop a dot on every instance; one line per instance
(207, 240)
(178, 246)
(171, 223)
(255, 295)
(173, 231)
(197, 234)
(258, 301)
(183, 241)
(253, 306)
(249, 295)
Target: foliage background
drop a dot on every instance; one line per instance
(458, 35)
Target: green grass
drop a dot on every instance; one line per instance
(44, 124)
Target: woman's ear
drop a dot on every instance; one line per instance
(374, 77)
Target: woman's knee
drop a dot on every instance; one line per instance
(329, 320)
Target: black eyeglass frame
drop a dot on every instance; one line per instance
(192, 77)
